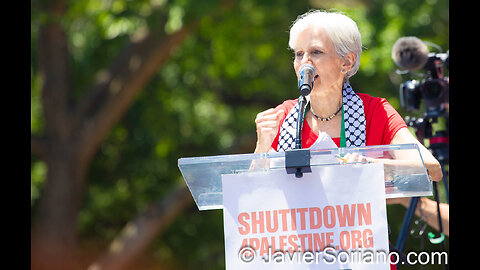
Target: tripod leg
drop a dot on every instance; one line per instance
(445, 181)
(407, 220)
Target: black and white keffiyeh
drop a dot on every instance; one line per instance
(354, 120)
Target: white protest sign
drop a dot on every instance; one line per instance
(332, 218)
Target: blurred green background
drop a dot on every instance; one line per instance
(201, 100)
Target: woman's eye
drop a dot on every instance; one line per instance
(300, 54)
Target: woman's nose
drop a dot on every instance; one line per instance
(306, 59)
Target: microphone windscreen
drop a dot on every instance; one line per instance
(410, 53)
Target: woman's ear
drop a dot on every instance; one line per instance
(348, 61)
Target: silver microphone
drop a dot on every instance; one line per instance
(305, 82)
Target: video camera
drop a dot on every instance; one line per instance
(412, 54)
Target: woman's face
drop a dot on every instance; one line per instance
(313, 46)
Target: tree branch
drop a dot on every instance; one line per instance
(138, 234)
(109, 99)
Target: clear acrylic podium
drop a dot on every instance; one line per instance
(404, 170)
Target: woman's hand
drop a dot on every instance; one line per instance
(354, 158)
(267, 123)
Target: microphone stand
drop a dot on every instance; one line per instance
(297, 160)
(302, 101)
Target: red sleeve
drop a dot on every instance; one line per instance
(383, 121)
(286, 106)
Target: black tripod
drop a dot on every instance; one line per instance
(439, 142)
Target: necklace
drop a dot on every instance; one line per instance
(328, 118)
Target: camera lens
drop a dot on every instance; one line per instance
(410, 95)
(432, 89)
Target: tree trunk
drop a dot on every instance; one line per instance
(54, 240)
(138, 234)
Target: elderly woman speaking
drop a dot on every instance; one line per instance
(331, 43)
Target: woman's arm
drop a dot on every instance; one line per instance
(427, 209)
(431, 163)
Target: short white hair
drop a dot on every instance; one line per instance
(342, 31)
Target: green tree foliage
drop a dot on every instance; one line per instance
(203, 100)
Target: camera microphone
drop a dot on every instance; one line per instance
(305, 81)
(410, 53)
